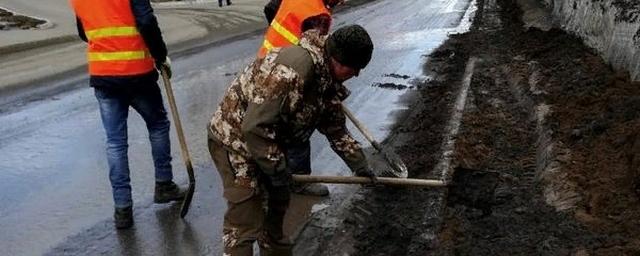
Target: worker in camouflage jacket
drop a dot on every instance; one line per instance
(278, 101)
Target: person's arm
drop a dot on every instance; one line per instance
(81, 33)
(147, 25)
(333, 126)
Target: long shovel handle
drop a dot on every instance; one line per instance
(183, 144)
(361, 127)
(365, 180)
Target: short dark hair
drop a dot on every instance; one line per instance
(351, 46)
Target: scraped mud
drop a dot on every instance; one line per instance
(392, 86)
(536, 97)
(594, 117)
(10, 20)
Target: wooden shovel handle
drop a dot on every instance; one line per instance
(361, 127)
(365, 180)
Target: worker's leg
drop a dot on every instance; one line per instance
(299, 161)
(273, 241)
(147, 101)
(299, 158)
(244, 218)
(114, 109)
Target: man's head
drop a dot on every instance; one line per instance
(349, 49)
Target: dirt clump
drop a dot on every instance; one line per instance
(394, 75)
(392, 86)
(10, 20)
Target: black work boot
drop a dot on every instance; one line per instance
(123, 217)
(166, 192)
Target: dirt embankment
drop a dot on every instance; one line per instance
(594, 116)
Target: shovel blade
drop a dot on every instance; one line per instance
(184, 209)
(398, 168)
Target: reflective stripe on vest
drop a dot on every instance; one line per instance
(267, 45)
(116, 47)
(286, 27)
(112, 31)
(293, 39)
(111, 56)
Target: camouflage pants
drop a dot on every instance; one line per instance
(246, 219)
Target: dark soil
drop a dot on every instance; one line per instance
(628, 10)
(9, 20)
(496, 203)
(392, 86)
(594, 114)
(394, 75)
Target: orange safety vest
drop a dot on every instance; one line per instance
(116, 48)
(286, 27)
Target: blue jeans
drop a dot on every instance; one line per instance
(114, 109)
(299, 158)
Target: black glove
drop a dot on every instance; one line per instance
(367, 172)
(281, 179)
(165, 66)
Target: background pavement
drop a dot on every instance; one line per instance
(30, 57)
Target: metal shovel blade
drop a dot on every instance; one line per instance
(398, 168)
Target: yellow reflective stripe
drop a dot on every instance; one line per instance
(111, 56)
(267, 45)
(285, 33)
(111, 31)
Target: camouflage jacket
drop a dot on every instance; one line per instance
(279, 100)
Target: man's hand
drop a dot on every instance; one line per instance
(281, 179)
(367, 172)
(165, 66)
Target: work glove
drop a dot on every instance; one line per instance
(165, 66)
(281, 179)
(367, 172)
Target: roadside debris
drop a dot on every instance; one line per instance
(10, 20)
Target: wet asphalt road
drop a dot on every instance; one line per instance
(55, 196)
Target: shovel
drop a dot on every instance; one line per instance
(367, 180)
(399, 169)
(183, 145)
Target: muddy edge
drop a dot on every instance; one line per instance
(545, 161)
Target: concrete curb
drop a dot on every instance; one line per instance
(37, 44)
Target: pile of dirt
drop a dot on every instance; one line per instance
(9, 20)
(594, 114)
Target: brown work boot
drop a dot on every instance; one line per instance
(123, 217)
(166, 192)
(310, 189)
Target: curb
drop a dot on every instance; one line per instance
(4, 50)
